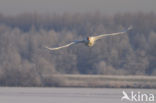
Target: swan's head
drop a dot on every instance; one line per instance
(88, 38)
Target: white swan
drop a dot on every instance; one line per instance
(89, 41)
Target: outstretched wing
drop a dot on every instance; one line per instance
(112, 34)
(67, 45)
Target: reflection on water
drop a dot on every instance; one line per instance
(63, 95)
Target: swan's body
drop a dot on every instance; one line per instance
(90, 41)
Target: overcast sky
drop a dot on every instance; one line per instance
(13, 7)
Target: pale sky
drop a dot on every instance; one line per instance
(13, 7)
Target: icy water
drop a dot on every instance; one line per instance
(65, 95)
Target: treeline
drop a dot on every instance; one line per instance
(24, 60)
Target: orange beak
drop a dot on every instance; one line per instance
(88, 38)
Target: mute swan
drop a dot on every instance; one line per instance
(89, 41)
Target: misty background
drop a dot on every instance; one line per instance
(13, 7)
(27, 25)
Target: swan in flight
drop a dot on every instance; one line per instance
(89, 41)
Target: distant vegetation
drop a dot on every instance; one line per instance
(24, 61)
(107, 81)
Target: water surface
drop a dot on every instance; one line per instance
(64, 95)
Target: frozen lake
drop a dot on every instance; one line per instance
(65, 95)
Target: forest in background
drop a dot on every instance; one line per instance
(25, 61)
